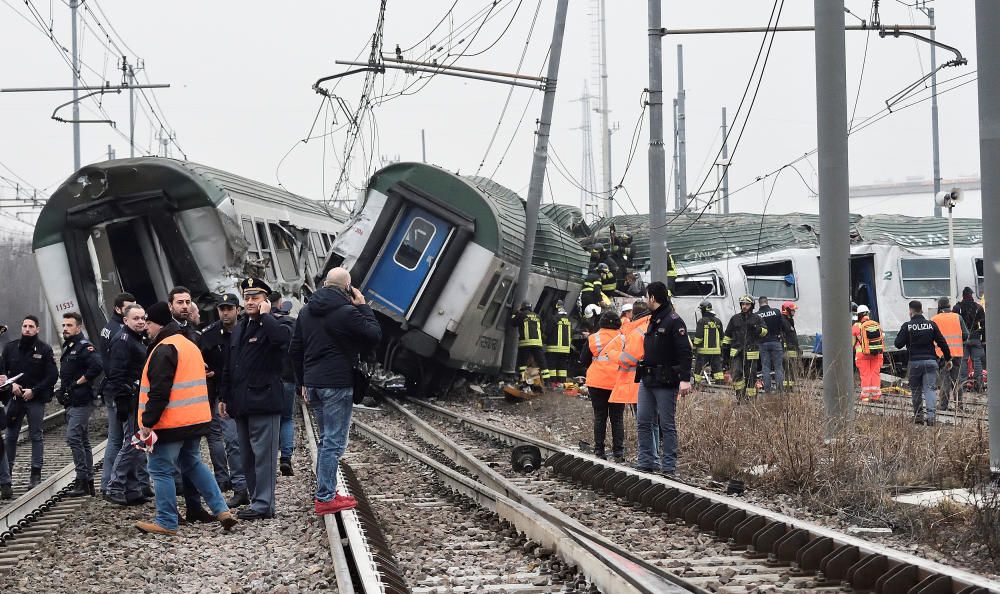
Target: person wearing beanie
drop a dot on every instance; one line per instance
(974, 317)
(956, 334)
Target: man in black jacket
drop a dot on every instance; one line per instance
(918, 337)
(79, 368)
(28, 394)
(108, 334)
(739, 345)
(251, 393)
(331, 332)
(974, 317)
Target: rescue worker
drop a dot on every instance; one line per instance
(633, 285)
(664, 372)
(26, 397)
(286, 430)
(869, 347)
(558, 335)
(626, 390)
(975, 321)
(626, 313)
(790, 340)
(739, 348)
(104, 340)
(592, 292)
(601, 360)
(592, 317)
(173, 404)
(127, 357)
(772, 351)
(707, 342)
(597, 254)
(79, 368)
(918, 337)
(529, 341)
(251, 393)
(955, 332)
(671, 272)
(227, 462)
(609, 284)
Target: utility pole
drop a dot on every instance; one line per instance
(76, 93)
(589, 204)
(657, 159)
(111, 153)
(677, 180)
(680, 200)
(423, 144)
(725, 163)
(935, 147)
(537, 181)
(609, 207)
(834, 224)
(988, 54)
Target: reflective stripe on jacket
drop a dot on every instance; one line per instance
(707, 338)
(603, 370)
(188, 403)
(530, 330)
(950, 324)
(559, 340)
(626, 390)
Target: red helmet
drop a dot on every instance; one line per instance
(789, 306)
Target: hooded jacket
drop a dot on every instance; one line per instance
(330, 334)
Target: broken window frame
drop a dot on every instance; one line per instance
(276, 231)
(708, 277)
(266, 249)
(759, 285)
(943, 282)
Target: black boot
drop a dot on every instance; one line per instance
(6, 491)
(239, 498)
(90, 488)
(286, 467)
(79, 489)
(36, 478)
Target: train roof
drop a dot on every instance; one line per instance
(568, 217)
(694, 238)
(190, 185)
(499, 216)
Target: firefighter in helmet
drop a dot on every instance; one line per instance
(740, 348)
(707, 341)
(529, 341)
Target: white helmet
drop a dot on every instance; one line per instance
(863, 309)
(591, 310)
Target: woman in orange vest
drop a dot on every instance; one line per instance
(601, 359)
(173, 409)
(869, 344)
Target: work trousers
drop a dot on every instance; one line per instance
(793, 367)
(557, 365)
(975, 352)
(603, 410)
(536, 354)
(128, 474)
(714, 365)
(164, 461)
(34, 410)
(870, 370)
(772, 357)
(78, 440)
(259, 447)
(657, 402)
(744, 371)
(923, 382)
(949, 384)
(286, 434)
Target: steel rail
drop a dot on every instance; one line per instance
(807, 547)
(609, 567)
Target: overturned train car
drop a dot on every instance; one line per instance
(437, 255)
(145, 225)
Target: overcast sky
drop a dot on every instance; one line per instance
(241, 72)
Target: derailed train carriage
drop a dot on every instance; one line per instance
(145, 225)
(437, 254)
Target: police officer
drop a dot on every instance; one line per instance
(103, 341)
(772, 351)
(226, 460)
(128, 481)
(27, 395)
(707, 342)
(529, 341)
(251, 393)
(286, 437)
(79, 367)
(739, 346)
(918, 337)
(663, 373)
(558, 332)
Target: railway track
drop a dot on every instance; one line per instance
(708, 539)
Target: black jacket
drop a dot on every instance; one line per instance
(918, 336)
(79, 358)
(772, 320)
(36, 360)
(251, 378)
(789, 334)
(214, 344)
(125, 362)
(110, 331)
(329, 336)
(162, 368)
(743, 333)
(287, 368)
(974, 317)
(666, 346)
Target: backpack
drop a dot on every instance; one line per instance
(872, 338)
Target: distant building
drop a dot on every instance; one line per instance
(915, 197)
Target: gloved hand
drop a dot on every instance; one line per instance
(123, 407)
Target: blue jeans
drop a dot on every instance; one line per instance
(337, 404)
(772, 356)
(286, 434)
(185, 455)
(655, 402)
(923, 384)
(115, 436)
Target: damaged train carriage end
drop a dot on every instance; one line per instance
(437, 255)
(147, 224)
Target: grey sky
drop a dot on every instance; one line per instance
(241, 75)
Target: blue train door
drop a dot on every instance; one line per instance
(407, 259)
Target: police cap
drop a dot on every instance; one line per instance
(254, 284)
(228, 300)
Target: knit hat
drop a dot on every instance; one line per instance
(967, 291)
(159, 313)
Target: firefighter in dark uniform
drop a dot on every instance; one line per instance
(707, 341)
(591, 293)
(79, 367)
(529, 341)
(793, 352)
(671, 272)
(609, 284)
(597, 254)
(740, 348)
(558, 332)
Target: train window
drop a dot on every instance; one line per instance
(775, 280)
(284, 253)
(251, 237)
(327, 243)
(266, 252)
(980, 278)
(415, 241)
(504, 316)
(499, 297)
(925, 277)
(547, 300)
(699, 285)
(489, 290)
(317, 244)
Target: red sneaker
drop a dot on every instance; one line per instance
(337, 504)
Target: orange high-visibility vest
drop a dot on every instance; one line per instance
(626, 390)
(189, 394)
(604, 369)
(950, 325)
